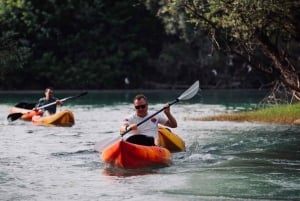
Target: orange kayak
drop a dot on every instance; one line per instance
(27, 114)
(124, 154)
(62, 118)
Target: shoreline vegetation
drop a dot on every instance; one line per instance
(277, 114)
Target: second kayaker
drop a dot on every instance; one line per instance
(49, 98)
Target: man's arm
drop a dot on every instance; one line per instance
(171, 119)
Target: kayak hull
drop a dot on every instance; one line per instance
(124, 154)
(62, 118)
(170, 140)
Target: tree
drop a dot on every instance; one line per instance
(79, 44)
(13, 53)
(265, 33)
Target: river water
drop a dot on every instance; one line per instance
(223, 161)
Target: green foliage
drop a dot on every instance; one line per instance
(282, 114)
(12, 55)
(82, 43)
(238, 18)
(96, 44)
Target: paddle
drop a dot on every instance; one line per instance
(186, 95)
(15, 116)
(25, 105)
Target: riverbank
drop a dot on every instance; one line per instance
(279, 114)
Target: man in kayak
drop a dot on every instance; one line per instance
(49, 98)
(146, 133)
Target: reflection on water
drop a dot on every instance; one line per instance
(110, 171)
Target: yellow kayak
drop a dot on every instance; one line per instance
(62, 118)
(170, 140)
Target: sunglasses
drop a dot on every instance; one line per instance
(140, 106)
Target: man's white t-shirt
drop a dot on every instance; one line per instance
(149, 128)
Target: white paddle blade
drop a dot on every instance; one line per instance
(101, 145)
(190, 92)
